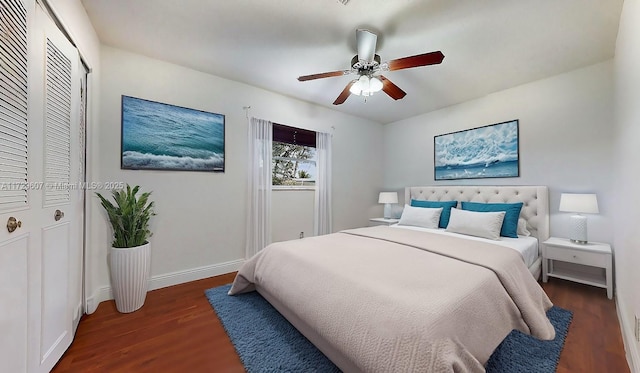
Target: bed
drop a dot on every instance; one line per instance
(535, 209)
(381, 299)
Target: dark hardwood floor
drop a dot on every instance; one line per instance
(177, 331)
(594, 342)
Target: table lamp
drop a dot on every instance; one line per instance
(388, 198)
(580, 204)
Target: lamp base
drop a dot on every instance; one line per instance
(578, 233)
(387, 211)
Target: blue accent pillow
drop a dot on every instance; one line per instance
(446, 209)
(512, 213)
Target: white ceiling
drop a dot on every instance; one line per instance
(489, 45)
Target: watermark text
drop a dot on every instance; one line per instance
(40, 185)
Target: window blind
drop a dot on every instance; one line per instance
(293, 135)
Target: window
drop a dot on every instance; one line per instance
(294, 157)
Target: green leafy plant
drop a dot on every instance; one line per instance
(129, 217)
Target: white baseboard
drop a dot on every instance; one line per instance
(628, 337)
(169, 279)
(77, 314)
(100, 295)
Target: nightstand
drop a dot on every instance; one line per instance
(382, 221)
(594, 254)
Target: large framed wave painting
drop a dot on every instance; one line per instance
(157, 136)
(483, 152)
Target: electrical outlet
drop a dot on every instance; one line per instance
(637, 329)
(301, 234)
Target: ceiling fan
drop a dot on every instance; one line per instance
(366, 64)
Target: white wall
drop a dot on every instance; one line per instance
(291, 213)
(565, 141)
(627, 181)
(200, 218)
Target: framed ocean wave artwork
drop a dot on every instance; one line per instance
(485, 152)
(157, 136)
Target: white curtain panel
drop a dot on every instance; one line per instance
(259, 186)
(322, 219)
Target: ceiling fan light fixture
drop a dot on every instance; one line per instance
(360, 86)
(375, 84)
(365, 86)
(355, 89)
(364, 83)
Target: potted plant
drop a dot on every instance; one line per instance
(130, 255)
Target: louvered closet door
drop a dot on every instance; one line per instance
(14, 196)
(40, 261)
(60, 228)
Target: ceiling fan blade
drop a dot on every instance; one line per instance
(366, 44)
(391, 89)
(431, 58)
(343, 95)
(323, 75)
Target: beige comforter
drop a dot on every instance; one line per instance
(384, 299)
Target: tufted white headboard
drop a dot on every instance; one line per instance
(535, 198)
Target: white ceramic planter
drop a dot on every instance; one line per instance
(129, 269)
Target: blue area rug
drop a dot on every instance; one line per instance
(267, 342)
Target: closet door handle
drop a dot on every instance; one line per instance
(58, 215)
(13, 224)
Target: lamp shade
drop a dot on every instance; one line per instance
(580, 203)
(375, 84)
(365, 85)
(355, 89)
(388, 197)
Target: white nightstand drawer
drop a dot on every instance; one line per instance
(576, 256)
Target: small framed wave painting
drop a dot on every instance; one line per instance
(483, 152)
(157, 136)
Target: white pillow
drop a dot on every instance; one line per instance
(473, 223)
(522, 228)
(420, 216)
